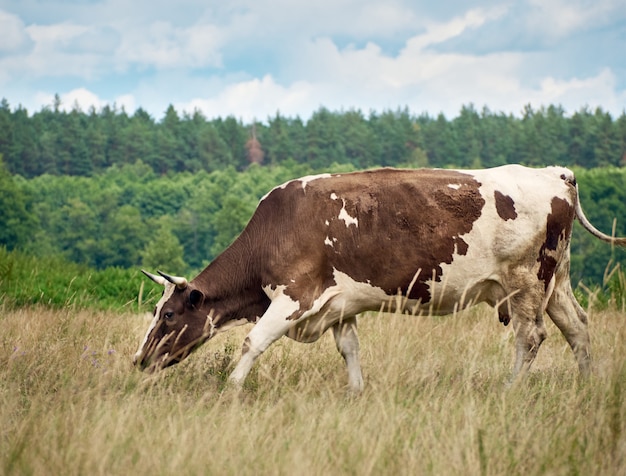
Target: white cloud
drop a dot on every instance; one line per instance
(369, 66)
(418, 77)
(126, 101)
(164, 46)
(54, 37)
(416, 73)
(292, 20)
(440, 32)
(382, 19)
(14, 36)
(255, 99)
(84, 100)
(51, 55)
(90, 51)
(574, 93)
(556, 17)
(559, 18)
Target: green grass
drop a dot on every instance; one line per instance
(436, 401)
(54, 282)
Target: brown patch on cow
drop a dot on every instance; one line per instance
(407, 221)
(418, 225)
(461, 246)
(558, 230)
(505, 206)
(504, 317)
(246, 346)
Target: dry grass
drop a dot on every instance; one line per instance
(436, 402)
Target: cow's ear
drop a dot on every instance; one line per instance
(196, 298)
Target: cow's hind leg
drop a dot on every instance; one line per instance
(571, 319)
(347, 342)
(530, 330)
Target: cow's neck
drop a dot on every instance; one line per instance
(232, 287)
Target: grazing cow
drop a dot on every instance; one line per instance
(321, 249)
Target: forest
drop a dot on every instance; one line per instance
(105, 189)
(53, 141)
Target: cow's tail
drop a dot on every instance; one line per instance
(592, 229)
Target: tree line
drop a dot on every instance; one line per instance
(57, 142)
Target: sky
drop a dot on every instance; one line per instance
(252, 59)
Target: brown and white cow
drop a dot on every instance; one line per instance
(319, 250)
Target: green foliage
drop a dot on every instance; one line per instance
(77, 143)
(610, 294)
(26, 280)
(16, 222)
(164, 251)
(603, 198)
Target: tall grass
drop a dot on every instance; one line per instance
(610, 295)
(436, 401)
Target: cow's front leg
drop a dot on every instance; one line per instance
(347, 342)
(274, 324)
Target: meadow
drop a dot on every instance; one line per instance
(436, 401)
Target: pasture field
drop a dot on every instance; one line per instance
(436, 401)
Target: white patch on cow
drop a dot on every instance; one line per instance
(304, 180)
(343, 215)
(275, 321)
(167, 294)
(327, 223)
(278, 294)
(492, 240)
(350, 296)
(328, 242)
(454, 186)
(333, 196)
(310, 178)
(282, 307)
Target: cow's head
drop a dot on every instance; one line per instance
(179, 324)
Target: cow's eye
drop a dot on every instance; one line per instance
(169, 315)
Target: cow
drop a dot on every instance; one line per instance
(321, 249)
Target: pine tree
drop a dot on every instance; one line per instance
(278, 143)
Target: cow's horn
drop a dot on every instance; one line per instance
(180, 283)
(157, 279)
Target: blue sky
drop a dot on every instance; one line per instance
(252, 58)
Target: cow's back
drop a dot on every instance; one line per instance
(410, 230)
